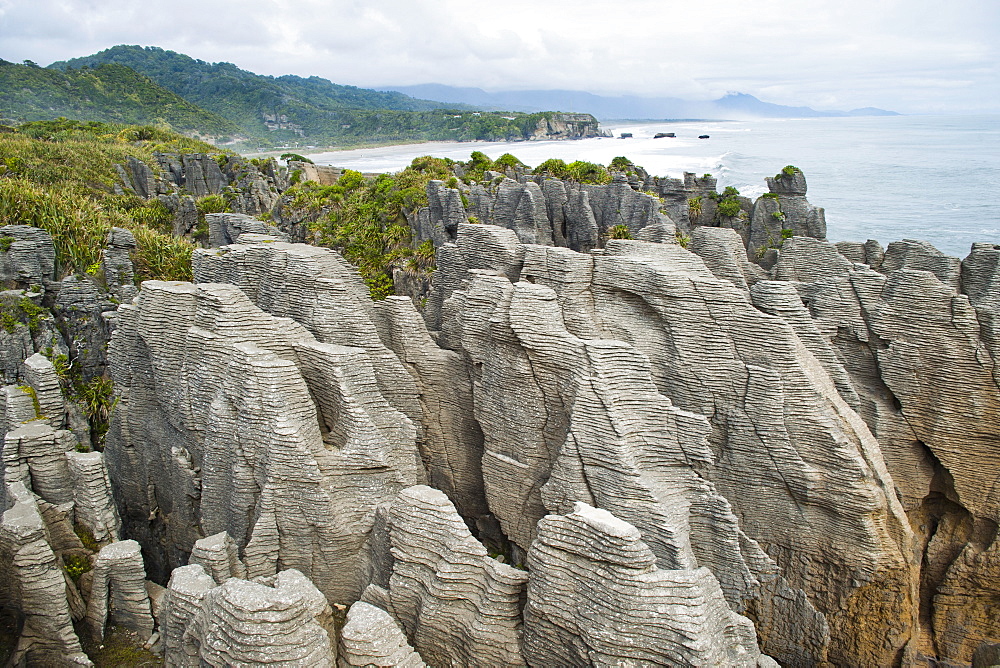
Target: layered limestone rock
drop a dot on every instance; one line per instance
(548, 211)
(28, 258)
(35, 454)
(117, 264)
(94, 505)
(371, 637)
(195, 173)
(231, 419)
(274, 621)
(32, 583)
(921, 360)
(438, 222)
(40, 374)
(596, 597)
(252, 190)
(785, 209)
(458, 605)
(790, 454)
(922, 256)
(589, 389)
(218, 556)
(318, 289)
(452, 448)
(83, 309)
(182, 601)
(119, 591)
(723, 253)
(225, 228)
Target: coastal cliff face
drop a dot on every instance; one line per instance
(566, 126)
(570, 450)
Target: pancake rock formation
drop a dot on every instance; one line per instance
(722, 441)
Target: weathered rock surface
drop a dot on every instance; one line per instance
(921, 359)
(773, 417)
(275, 621)
(119, 591)
(547, 211)
(218, 556)
(452, 447)
(29, 258)
(82, 309)
(318, 289)
(372, 638)
(117, 265)
(596, 597)
(225, 228)
(32, 582)
(922, 256)
(35, 454)
(92, 495)
(196, 173)
(786, 209)
(458, 605)
(723, 252)
(233, 420)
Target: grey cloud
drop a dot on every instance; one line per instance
(915, 55)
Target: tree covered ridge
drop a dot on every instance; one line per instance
(111, 93)
(290, 109)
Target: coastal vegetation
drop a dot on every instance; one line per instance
(365, 219)
(60, 176)
(580, 171)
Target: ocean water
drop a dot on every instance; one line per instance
(935, 178)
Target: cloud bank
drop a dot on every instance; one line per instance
(911, 56)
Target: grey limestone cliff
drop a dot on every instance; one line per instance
(275, 621)
(773, 416)
(372, 638)
(596, 597)
(458, 605)
(231, 419)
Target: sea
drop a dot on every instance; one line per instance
(935, 178)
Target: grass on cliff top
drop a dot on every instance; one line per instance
(60, 176)
(363, 219)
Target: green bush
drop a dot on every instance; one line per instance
(64, 184)
(621, 164)
(76, 565)
(694, 207)
(507, 161)
(289, 157)
(619, 232)
(363, 219)
(729, 207)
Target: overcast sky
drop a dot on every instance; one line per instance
(907, 55)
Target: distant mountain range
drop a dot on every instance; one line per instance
(731, 106)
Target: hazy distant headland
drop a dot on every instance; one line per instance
(731, 106)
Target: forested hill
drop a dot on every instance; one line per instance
(227, 89)
(314, 111)
(109, 93)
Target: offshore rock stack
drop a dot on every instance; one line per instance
(577, 450)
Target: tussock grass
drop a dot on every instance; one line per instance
(60, 176)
